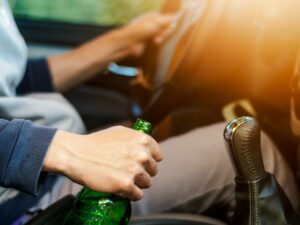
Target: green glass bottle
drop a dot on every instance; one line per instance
(95, 208)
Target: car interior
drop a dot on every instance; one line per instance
(117, 96)
(101, 102)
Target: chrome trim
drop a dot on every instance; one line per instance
(233, 125)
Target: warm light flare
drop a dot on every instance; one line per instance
(246, 45)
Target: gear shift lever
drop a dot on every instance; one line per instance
(259, 198)
(243, 138)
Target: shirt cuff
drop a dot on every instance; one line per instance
(24, 171)
(37, 77)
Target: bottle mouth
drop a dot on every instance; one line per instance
(143, 126)
(234, 125)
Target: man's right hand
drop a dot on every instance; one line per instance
(118, 160)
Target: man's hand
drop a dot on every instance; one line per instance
(117, 160)
(152, 27)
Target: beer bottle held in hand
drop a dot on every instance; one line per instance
(95, 208)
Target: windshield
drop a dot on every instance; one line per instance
(95, 12)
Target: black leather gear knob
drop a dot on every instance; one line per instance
(242, 136)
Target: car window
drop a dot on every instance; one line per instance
(94, 12)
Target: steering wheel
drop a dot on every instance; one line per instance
(234, 48)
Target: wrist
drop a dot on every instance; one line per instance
(123, 43)
(58, 157)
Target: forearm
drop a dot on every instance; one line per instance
(77, 66)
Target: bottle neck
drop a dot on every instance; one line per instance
(143, 126)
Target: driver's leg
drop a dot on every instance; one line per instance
(196, 175)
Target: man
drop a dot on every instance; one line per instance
(28, 151)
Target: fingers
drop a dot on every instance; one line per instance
(151, 167)
(133, 193)
(127, 182)
(132, 183)
(152, 24)
(143, 180)
(164, 20)
(171, 24)
(153, 147)
(145, 159)
(167, 26)
(140, 177)
(136, 194)
(139, 174)
(148, 154)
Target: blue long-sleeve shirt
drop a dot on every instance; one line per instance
(22, 150)
(37, 77)
(23, 147)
